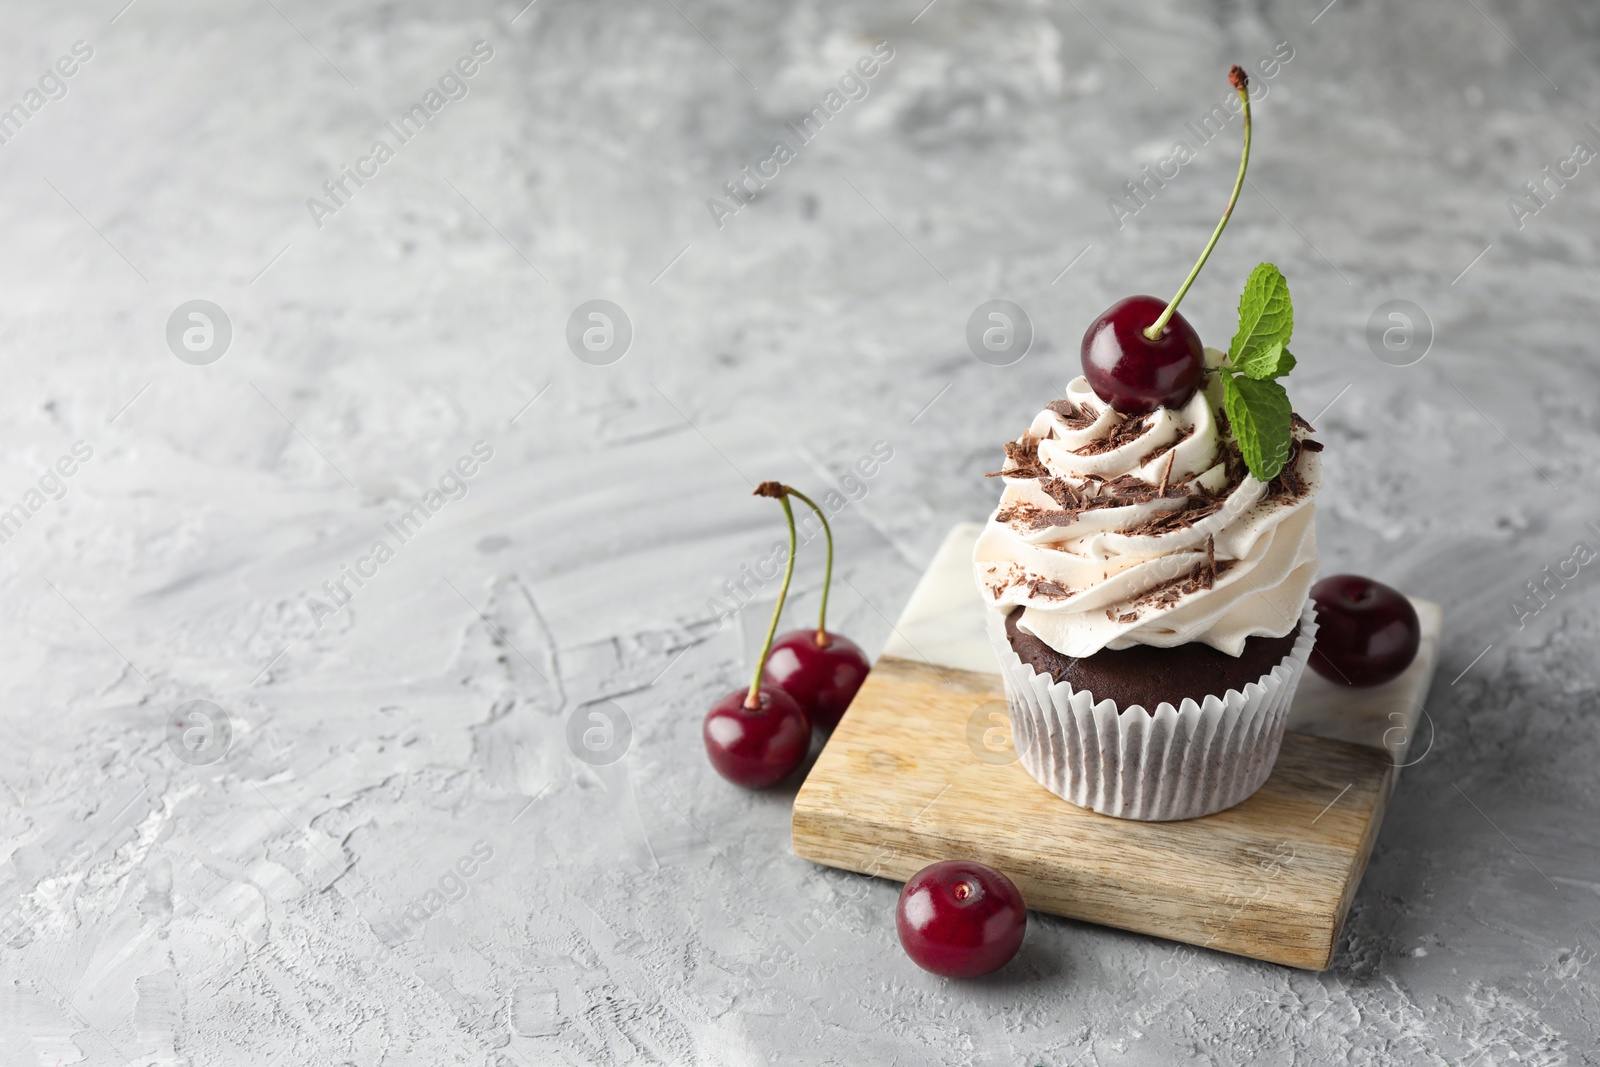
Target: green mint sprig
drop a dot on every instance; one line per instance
(1257, 405)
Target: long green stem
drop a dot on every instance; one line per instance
(1241, 85)
(827, 576)
(752, 699)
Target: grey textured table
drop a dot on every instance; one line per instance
(447, 801)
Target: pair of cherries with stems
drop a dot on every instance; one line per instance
(806, 678)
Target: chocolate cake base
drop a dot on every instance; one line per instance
(1147, 676)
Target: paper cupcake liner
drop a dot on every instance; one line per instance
(1180, 763)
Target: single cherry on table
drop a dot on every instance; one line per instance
(960, 919)
(1367, 633)
(757, 737)
(821, 670)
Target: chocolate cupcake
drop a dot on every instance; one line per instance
(1149, 602)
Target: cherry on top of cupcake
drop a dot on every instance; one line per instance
(1140, 354)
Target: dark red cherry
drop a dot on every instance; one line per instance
(1134, 374)
(1367, 633)
(960, 919)
(757, 747)
(823, 679)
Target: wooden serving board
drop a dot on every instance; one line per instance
(921, 769)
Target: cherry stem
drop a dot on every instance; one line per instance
(752, 700)
(827, 576)
(1241, 85)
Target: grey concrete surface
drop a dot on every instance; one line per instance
(464, 816)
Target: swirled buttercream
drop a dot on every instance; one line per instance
(1116, 530)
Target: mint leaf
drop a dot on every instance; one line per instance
(1266, 318)
(1274, 361)
(1260, 415)
(1257, 406)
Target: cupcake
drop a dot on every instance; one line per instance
(1149, 603)
(1149, 564)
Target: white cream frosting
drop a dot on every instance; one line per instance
(1087, 581)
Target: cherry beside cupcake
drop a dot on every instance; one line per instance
(1370, 632)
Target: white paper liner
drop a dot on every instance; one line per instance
(1180, 763)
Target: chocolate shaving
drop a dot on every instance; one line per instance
(1045, 587)
(1202, 575)
(1154, 452)
(1127, 431)
(1075, 419)
(1126, 489)
(1024, 457)
(1060, 490)
(1296, 420)
(1166, 475)
(1098, 493)
(1288, 485)
(1233, 466)
(1036, 518)
(1195, 508)
(1122, 497)
(1036, 585)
